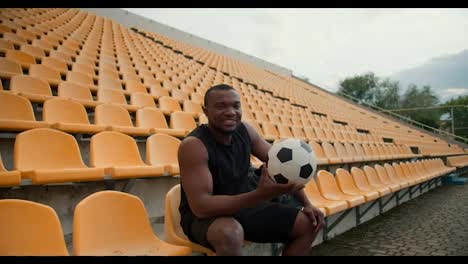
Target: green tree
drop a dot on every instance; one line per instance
(387, 94)
(361, 87)
(461, 116)
(420, 98)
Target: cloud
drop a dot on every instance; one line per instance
(327, 45)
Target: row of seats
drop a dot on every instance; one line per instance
(348, 189)
(45, 155)
(71, 116)
(458, 161)
(338, 153)
(106, 223)
(278, 130)
(10, 69)
(36, 90)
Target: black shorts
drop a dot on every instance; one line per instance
(269, 222)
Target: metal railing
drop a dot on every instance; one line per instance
(405, 119)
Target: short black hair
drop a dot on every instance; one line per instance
(218, 87)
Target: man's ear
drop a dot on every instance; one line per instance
(204, 110)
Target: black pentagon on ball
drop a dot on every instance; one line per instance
(306, 147)
(306, 170)
(284, 155)
(280, 179)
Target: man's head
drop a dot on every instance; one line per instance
(222, 108)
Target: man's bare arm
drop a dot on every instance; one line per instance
(197, 182)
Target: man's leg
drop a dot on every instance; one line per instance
(303, 234)
(226, 236)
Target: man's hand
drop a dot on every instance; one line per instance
(270, 189)
(314, 214)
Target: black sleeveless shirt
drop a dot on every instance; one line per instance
(228, 164)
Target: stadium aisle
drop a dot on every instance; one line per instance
(434, 223)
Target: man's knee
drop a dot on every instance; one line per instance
(226, 232)
(305, 226)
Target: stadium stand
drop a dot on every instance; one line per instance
(88, 104)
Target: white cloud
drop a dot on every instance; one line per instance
(327, 45)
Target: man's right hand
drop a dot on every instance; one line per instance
(270, 189)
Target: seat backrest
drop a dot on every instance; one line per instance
(270, 129)
(64, 111)
(182, 120)
(345, 181)
(34, 51)
(284, 131)
(44, 148)
(318, 150)
(135, 87)
(327, 184)
(15, 107)
(73, 90)
(298, 132)
(360, 179)
(157, 91)
(41, 71)
(124, 150)
(382, 174)
(107, 222)
(190, 106)
(392, 174)
(329, 150)
(178, 94)
(20, 57)
(310, 133)
(169, 104)
(30, 229)
(399, 171)
(83, 68)
(172, 214)
(112, 115)
(261, 116)
(54, 64)
(31, 85)
(142, 99)
(341, 150)
(80, 78)
(372, 176)
(111, 96)
(150, 118)
(107, 82)
(9, 66)
(162, 149)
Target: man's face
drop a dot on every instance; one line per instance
(224, 110)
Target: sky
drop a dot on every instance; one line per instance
(327, 45)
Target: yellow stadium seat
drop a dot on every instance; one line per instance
(9, 68)
(192, 107)
(168, 105)
(118, 118)
(30, 229)
(347, 185)
(172, 229)
(50, 156)
(45, 73)
(141, 100)
(69, 116)
(123, 159)
(330, 153)
(319, 153)
(101, 226)
(36, 90)
(78, 93)
(182, 121)
(385, 179)
(16, 113)
(161, 150)
(114, 96)
(375, 181)
(329, 189)
(328, 207)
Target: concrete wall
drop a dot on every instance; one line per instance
(132, 20)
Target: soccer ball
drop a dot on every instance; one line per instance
(291, 160)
